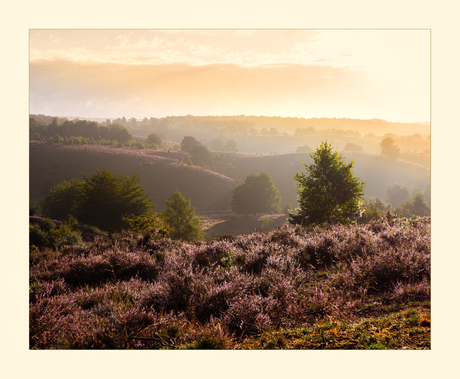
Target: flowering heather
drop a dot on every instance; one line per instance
(139, 292)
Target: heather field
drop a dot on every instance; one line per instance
(338, 287)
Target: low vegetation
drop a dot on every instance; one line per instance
(337, 272)
(341, 287)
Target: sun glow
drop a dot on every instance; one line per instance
(289, 73)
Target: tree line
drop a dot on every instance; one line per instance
(115, 202)
(328, 192)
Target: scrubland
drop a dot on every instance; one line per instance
(336, 287)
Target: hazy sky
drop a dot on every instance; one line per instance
(360, 74)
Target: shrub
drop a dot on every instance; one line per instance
(37, 236)
(143, 292)
(65, 236)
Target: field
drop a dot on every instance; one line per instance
(338, 287)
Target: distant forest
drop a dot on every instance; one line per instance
(261, 135)
(229, 149)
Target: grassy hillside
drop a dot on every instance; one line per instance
(160, 171)
(355, 287)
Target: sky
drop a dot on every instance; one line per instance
(361, 74)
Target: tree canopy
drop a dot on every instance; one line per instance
(416, 206)
(62, 199)
(155, 139)
(389, 148)
(255, 195)
(102, 199)
(327, 191)
(396, 193)
(180, 216)
(188, 142)
(200, 154)
(350, 146)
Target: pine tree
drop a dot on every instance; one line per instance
(328, 191)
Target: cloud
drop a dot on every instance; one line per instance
(187, 87)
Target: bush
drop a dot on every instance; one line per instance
(374, 209)
(65, 236)
(37, 236)
(141, 292)
(154, 139)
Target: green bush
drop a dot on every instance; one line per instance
(37, 236)
(65, 236)
(47, 225)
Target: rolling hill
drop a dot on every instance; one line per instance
(161, 172)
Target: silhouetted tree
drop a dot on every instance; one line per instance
(102, 200)
(396, 193)
(62, 199)
(188, 142)
(231, 145)
(119, 133)
(416, 206)
(106, 198)
(389, 148)
(200, 154)
(154, 139)
(353, 147)
(255, 195)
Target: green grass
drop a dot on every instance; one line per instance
(400, 330)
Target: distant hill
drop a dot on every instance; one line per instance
(160, 171)
(376, 171)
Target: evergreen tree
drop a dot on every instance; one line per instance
(200, 155)
(103, 200)
(328, 191)
(107, 198)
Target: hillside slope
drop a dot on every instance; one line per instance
(376, 171)
(160, 171)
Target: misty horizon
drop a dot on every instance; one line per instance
(352, 74)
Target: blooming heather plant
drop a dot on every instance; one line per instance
(141, 292)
